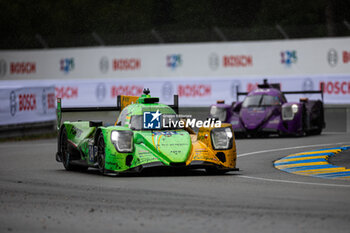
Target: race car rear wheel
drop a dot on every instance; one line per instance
(66, 154)
(101, 153)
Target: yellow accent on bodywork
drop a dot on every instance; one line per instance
(202, 149)
(126, 100)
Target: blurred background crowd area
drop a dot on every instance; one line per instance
(26, 24)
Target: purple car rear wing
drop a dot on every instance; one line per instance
(276, 86)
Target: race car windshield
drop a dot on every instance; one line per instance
(260, 100)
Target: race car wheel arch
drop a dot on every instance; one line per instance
(101, 152)
(65, 152)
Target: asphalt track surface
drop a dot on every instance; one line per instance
(38, 195)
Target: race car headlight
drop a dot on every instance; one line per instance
(222, 138)
(295, 108)
(289, 111)
(122, 140)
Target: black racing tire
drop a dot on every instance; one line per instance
(101, 154)
(66, 159)
(215, 171)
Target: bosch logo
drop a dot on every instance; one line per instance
(126, 64)
(167, 90)
(104, 65)
(67, 65)
(336, 87)
(289, 57)
(48, 101)
(132, 90)
(27, 102)
(22, 67)
(346, 57)
(332, 57)
(13, 103)
(66, 92)
(100, 91)
(237, 61)
(214, 61)
(308, 85)
(3, 67)
(51, 100)
(194, 90)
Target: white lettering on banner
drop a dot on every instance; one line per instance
(194, 90)
(66, 92)
(133, 90)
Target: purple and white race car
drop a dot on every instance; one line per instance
(265, 111)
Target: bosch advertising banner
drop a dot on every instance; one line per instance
(192, 92)
(329, 56)
(27, 104)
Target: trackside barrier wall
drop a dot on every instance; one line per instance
(19, 105)
(200, 73)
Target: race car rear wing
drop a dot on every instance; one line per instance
(122, 102)
(286, 92)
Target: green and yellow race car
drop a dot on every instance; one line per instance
(147, 134)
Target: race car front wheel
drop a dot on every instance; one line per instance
(66, 154)
(101, 153)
